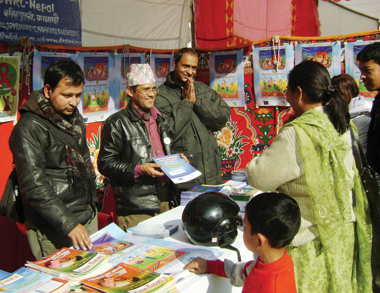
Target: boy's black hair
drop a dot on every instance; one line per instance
(275, 215)
(370, 52)
(183, 51)
(64, 68)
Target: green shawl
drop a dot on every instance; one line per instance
(330, 186)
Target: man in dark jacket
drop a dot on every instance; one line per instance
(369, 64)
(130, 139)
(53, 164)
(195, 111)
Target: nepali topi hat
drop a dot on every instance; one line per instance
(140, 74)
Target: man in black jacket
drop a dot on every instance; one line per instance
(195, 111)
(53, 164)
(369, 64)
(130, 139)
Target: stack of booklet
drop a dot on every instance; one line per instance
(118, 262)
(71, 264)
(127, 278)
(239, 175)
(27, 280)
(196, 190)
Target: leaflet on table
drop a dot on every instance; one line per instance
(28, 280)
(176, 168)
(161, 256)
(126, 278)
(71, 264)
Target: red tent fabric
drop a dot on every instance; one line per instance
(227, 23)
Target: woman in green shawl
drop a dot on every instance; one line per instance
(312, 161)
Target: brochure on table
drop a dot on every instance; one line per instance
(176, 168)
(160, 256)
(27, 280)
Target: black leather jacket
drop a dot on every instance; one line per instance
(125, 143)
(40, 159)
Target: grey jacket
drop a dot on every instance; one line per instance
(192, 127)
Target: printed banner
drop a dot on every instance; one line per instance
(227, 76)
(9, 81)
(352, 66)
(271, 67)
(122, 62)
(161, 66)
(44, 21)
(98, 98)
(326, 53)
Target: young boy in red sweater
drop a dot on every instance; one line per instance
(271, 222)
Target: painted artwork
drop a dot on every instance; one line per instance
(98, 92)
(161, 66)
(151, 257)
(352, 66)
(122, 62)
(227, 76)
(328, 54)
(271, 69)
(9, 81)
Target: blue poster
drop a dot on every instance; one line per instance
(328, 54)
(99, 98)
(41, 61)
(122, 62)
(271, 67)
(161, 66)
(352, 66)
(43, 21)
(227, 76)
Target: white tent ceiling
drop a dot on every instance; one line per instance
(368, 7)
(157, 24)
(339, 19)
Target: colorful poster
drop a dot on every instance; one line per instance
(41, 61)
(271, 67)
(9, 81)
(227, 76)
(43, 21)
(161, 66)
(326, 53)
(352, 66)
(98, 98)
(122, 62)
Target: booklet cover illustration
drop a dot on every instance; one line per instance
(126, 278)
(176, 168)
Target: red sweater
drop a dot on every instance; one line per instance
(275, 277)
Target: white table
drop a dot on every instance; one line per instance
(206, 282)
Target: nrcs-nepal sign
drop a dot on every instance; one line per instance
(43, 21)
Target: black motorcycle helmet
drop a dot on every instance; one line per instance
(211, 219)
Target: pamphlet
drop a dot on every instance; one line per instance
(176, 168)
(70, 264)
(27, 280)
(126, 278)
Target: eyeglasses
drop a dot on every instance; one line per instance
(285, 92)
(145, 92)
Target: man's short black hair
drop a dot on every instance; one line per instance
(183, 51)
(64, 68)
(370, 52)
(275, 215)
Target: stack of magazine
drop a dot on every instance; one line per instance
(71, 264)
(187, 196)
(127, 278)
(27, 280)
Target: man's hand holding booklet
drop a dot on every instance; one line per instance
(177, 169)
